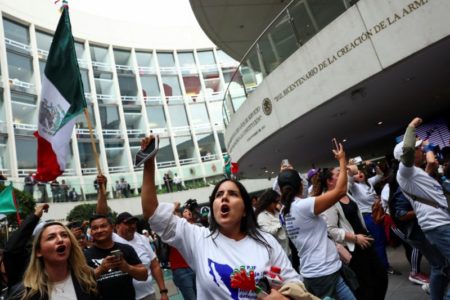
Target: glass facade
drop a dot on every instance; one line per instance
(130, 92)
(294, 26)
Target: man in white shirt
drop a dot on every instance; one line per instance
(126, 234)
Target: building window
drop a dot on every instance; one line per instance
(186, 150)
(145, 59)
(16, 32)
(171, 86)
(26, 149)
(206, 58)
(178, 115)
(165, 152)
(156, 117)
(99, 54)
(166, 60)
(87, 157)
(43, 40)
(150, 86)
(192, 85)
(199, 114)
(20, 67)
(109, 117)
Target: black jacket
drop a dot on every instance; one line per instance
(17, 291)
(18, 250)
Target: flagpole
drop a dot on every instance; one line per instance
(94, 148)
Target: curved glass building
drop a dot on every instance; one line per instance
(137, 79)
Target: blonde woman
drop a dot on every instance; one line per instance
(57, 268)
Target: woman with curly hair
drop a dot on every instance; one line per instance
(57, 268)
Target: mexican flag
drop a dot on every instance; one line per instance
(62, 100)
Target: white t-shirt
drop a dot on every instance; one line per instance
(145, 253)
(385, 197)
(417, 182)
(364, 194)
(63, 290)
(214, 258)
(308, 232)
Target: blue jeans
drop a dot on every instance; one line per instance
(439, 237)
(379, 237)
(184, 279)
(343, 292)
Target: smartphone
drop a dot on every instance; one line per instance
(149, 151)
(117, 253)
(264, 285)
(285, 162)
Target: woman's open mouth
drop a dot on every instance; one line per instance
(224, 209)
(61, 249)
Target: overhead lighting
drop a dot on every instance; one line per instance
(344, 140)
(266, 171)
(380, 123)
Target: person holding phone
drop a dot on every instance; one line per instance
(233, 240)
(115, 265)
(320, 265)
(345, 225)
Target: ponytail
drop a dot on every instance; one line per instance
(287, 197)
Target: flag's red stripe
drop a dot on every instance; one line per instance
(48, 167)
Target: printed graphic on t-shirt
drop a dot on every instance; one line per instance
(292, 229)
(221, 275)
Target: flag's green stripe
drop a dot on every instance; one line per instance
(62, 68)
(7, 201)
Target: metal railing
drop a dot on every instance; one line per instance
(101, 66)
(146, 70)
(17, 44)
(188, 161)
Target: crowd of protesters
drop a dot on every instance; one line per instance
(323, 234)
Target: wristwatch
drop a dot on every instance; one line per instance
(163, 291)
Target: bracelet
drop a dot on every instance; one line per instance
(163, 291)
(356, 239)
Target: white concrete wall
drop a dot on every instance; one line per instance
(59, 211)
(337, 58)
(152, 31)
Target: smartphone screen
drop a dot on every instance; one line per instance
(117, 253)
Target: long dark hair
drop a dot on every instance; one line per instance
(249, 225)
(320, 181)
(290, 185)
(268, 197)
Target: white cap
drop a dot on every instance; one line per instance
(398, 150)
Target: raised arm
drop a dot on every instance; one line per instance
(149, 200)
(409, 141)
(102, 205)
(328, 199)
